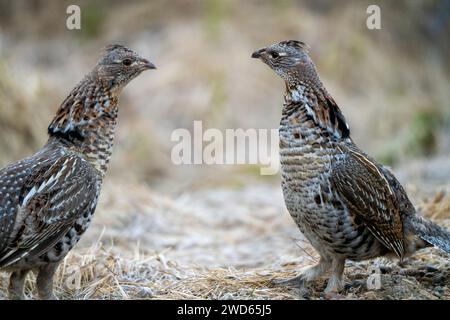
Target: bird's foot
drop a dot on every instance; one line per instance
(295, 281)
(334, 286)
(332, 295)
(299, 282)
(48, 297)
(15, 296)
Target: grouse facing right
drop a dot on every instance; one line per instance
(47, 200)
(345, 203)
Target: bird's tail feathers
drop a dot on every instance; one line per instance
(429, 231)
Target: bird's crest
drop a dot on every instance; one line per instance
(112, 47)
(296, 44)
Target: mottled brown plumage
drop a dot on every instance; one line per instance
(344, 202)
(47, 200)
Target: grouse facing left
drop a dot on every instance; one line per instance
(47, 200)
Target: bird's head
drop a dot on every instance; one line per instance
(118, 65)
(97, 94)
(289, 59)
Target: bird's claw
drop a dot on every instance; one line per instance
(296, 281)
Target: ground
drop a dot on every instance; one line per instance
(226, 243)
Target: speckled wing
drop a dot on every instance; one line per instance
(12, 179)
(53, 195)
(367, 194)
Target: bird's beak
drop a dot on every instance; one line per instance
(257, 54)
(147, 65)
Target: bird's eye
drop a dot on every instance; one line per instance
(274, 54)
(126, 62)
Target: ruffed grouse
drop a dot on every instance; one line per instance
(345, 203)
(47, 200)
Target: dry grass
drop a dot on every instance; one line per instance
(220, 244)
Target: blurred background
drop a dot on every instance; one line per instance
(391, 84)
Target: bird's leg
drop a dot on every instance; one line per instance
(44, 281)
(335, 283)
(309, 274)
(16, 283)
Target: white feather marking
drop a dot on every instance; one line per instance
(30, 194)
(295, 96)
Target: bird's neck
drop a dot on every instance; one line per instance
(318, 105)
(86, 122)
